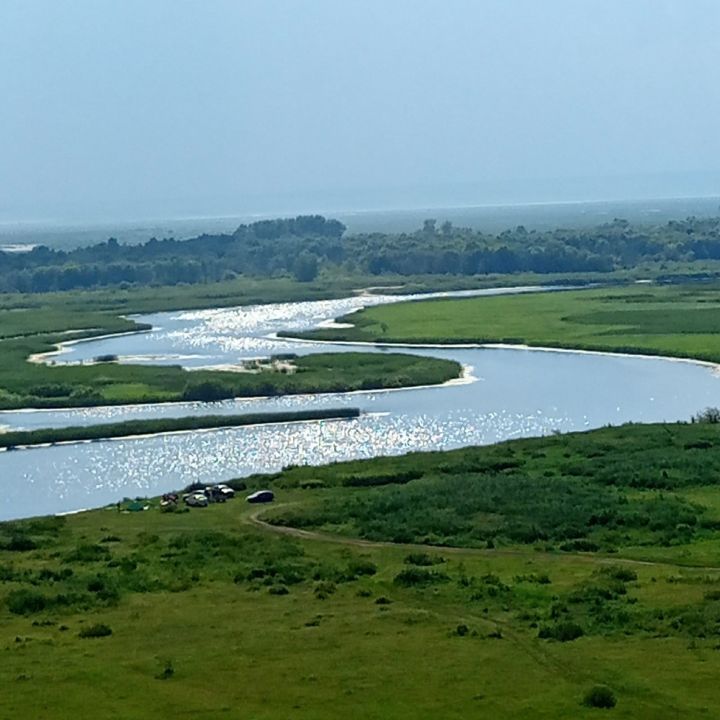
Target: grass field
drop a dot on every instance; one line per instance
(680, 321)
(213, 613)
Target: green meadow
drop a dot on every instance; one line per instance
(421, 602)
(680, 321)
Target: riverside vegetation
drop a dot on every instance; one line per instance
(129, 428)
(550, 577)
(677, 320)
(25, 384)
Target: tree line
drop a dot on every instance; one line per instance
(305, 246)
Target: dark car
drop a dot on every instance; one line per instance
(261, 496)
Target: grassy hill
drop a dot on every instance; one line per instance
(228, 611)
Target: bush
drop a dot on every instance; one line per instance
(397, 478)
(167, 672)
(323, 590)
(361, 566)
(423, 559)
(580, 545)
(623, 574)
(708, 415)
(20, 543)
(87, 552)
(26, 602)
(95, 631)
(414, 577)
(207, 391)
(600, 697)
(562, 632)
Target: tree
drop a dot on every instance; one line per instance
(429, 226)
(305, 267)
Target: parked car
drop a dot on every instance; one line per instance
(196, 499)
(261, 496)
(226, 490)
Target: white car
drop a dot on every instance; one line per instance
(196, 499)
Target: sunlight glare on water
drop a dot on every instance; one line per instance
(518, 392)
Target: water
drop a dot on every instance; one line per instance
(514, 393)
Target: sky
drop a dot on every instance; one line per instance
(114, 109)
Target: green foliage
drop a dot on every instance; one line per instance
(417, 577)
(677, 320)
(26, 602)
(96, 630)
(545, 491)
(562, 632)
(423, 559)
(304, 245)
(142, 427)
(708, 415)
(600, 696)
(305, 268)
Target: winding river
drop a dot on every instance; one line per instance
(508, 393)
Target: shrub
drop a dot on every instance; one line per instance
(397, 478)
(95, 631)
(20, 543)
(167, 672)
(423, 559)
(623, 574)
(600, 696)
(86, 552)
(26, 602)
(207, 391)
(361, 566)
(278, 590)
(580, 545)
(52, 390)
(562, 632)
(413, 577)
(323, 590)
(312, 484)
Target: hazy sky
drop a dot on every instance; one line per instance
(130, 108)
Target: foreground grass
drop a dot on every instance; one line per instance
(213, 614)
(680, 321)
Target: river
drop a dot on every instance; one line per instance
(509, 393)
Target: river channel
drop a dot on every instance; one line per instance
(508, 393)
